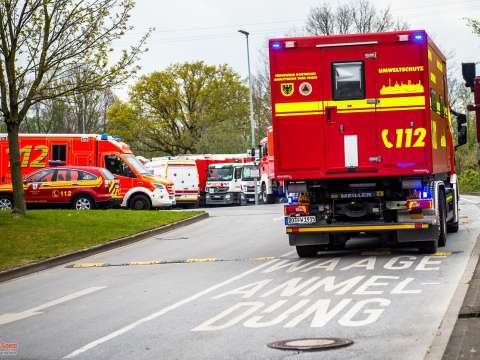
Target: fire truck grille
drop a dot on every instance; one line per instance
(250, 188)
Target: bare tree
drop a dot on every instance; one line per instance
(346, 18)
(44, 42)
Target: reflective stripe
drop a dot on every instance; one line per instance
(402, 101)
(358, 228)
(298, 106)
(303, 113)
(351, 106)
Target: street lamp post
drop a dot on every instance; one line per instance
(250, 95)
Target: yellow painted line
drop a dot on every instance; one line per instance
(200, 260)
(262, 258)
(301, 114)
(357, 228)
(298, 106)
(442, 253)
(89, 264)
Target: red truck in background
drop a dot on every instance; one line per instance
(138, 188)
(271, 188)
(363, 139)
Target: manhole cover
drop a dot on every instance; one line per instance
(310, 344)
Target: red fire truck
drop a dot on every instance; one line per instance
(271, 188)
(139, 189)
(363, 139)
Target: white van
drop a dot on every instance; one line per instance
(184, 175)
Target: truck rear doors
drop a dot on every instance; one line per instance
(349, 106)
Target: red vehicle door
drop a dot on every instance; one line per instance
(349, 85)
(39, 186)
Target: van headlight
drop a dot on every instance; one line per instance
(160, 187)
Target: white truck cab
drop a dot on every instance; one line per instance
(224, 184)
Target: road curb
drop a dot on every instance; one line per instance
(66, 258)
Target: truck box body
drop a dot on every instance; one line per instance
(363, 138)
(359, 106)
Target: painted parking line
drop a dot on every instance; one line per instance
(12, 317)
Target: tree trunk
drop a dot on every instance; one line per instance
(17, 183)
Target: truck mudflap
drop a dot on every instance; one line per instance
(320, 235)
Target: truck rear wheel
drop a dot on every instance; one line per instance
(442, 209)
(140, 202)
(308, 251)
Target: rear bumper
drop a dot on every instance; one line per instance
(187, 198)
(220, 199)
(319, 235)
(356, 228)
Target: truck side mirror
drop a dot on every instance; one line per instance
(468, 73)
(461, 129)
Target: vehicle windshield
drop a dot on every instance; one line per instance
(107, 174)
(250, 172)
(220, 174)
(136, 164)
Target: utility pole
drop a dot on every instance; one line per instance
(250, 95)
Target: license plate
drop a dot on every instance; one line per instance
(301, 220)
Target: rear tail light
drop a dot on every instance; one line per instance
(296, 210)
(417, 205)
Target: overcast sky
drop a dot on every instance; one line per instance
(191, 30)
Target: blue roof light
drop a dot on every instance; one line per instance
(276, 45)
(104, 136)
(418, 37)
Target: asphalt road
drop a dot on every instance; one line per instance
(227, 286)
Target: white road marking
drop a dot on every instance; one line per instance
(12, 317)
(167, 309)
(431, 283)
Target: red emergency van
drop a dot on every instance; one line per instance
(140, 190)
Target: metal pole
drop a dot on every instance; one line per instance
(250, 95)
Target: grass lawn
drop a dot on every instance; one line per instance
(42, 234)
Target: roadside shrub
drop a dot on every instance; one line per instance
(469, 180)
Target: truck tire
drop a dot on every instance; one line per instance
(308, 251)
(83, 202)
(442, 209)
(6, 202)
(452, 227)
(140, 202)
